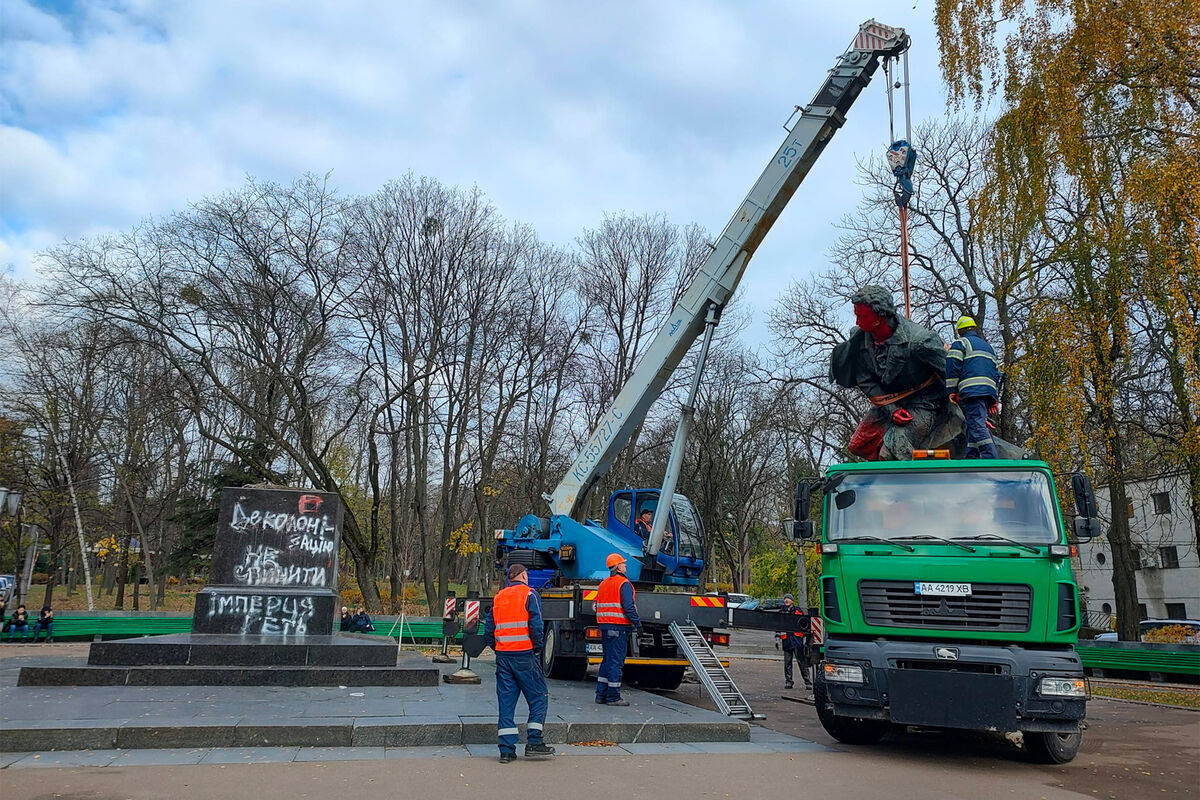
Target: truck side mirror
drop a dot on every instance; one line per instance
(1085, 498)
(1086, 528)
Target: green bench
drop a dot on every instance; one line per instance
(1165, 659)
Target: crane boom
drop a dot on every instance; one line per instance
(717, 279)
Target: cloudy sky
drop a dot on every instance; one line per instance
(112, 111)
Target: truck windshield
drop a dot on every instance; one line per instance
(959, 505)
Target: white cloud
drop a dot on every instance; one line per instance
(558, 111)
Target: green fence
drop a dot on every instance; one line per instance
(87, 625)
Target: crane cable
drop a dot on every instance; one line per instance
(901, 157)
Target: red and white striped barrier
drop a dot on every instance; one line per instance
(818, 630)
(472, 615)
(448, 611)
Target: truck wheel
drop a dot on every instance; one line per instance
(557, 665)
(1053, 748)
(669, 678)
(847, 730)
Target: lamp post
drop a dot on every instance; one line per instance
(10, 505)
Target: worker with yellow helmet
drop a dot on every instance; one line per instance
(972, 378)
(616, 614)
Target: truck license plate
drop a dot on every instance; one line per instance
(942, 589)
(595, 648)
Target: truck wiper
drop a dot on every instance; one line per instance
(879, 539)
(1000, 538)
(966, 547)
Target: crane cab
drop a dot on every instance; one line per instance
(681, 556)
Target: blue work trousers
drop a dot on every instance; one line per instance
(979, 437)
(519, 674)
(615, 641)
(40, 626)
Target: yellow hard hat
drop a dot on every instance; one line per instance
(965, 322)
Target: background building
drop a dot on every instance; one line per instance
(1161, 526)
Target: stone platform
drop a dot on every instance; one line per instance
(41, 718)
(187, 659)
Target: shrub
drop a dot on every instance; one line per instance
(1171, 634)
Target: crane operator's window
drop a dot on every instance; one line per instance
(623, 509)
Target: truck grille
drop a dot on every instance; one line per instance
(990, 607)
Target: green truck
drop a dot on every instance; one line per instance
(948, 600)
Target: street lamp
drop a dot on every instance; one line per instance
(10, 505)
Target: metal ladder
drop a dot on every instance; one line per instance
(712, 675)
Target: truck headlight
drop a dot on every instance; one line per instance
(1062, 687)
(844, 673)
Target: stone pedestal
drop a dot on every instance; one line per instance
(274, 566)
(268, 617)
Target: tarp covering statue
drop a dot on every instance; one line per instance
(901, 368)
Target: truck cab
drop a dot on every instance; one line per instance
(948, 601)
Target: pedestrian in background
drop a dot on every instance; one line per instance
(794, 645)
(19, 621)
(45, 622)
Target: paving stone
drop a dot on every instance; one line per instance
(731, 747)
(426, 752)
(760, 734)
(160, 758)
(340, 753)
(68, 734)
(406, 732)
(186, 732)
(67, 758)
(724, 731)
(577, 750)
(798, 746)
(304, 733)
(659, 748)
(250, 755)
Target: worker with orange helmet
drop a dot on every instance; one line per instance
(616, 613)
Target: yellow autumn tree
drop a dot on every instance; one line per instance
(1095, 155)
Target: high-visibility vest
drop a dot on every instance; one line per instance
(608, 601)
(512, 619)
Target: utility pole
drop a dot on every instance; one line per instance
(801, 578)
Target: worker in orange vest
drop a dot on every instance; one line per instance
(616, 613)
(514, 630)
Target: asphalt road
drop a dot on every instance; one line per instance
(1131, 751)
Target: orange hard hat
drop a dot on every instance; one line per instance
(614, 560)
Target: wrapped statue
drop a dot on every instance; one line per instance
(901, 368)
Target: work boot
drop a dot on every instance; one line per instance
(508, 758)
(618, 702)
(600, 701)
(787, 685)
(538, 750)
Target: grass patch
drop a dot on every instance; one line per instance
(1170, 697)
